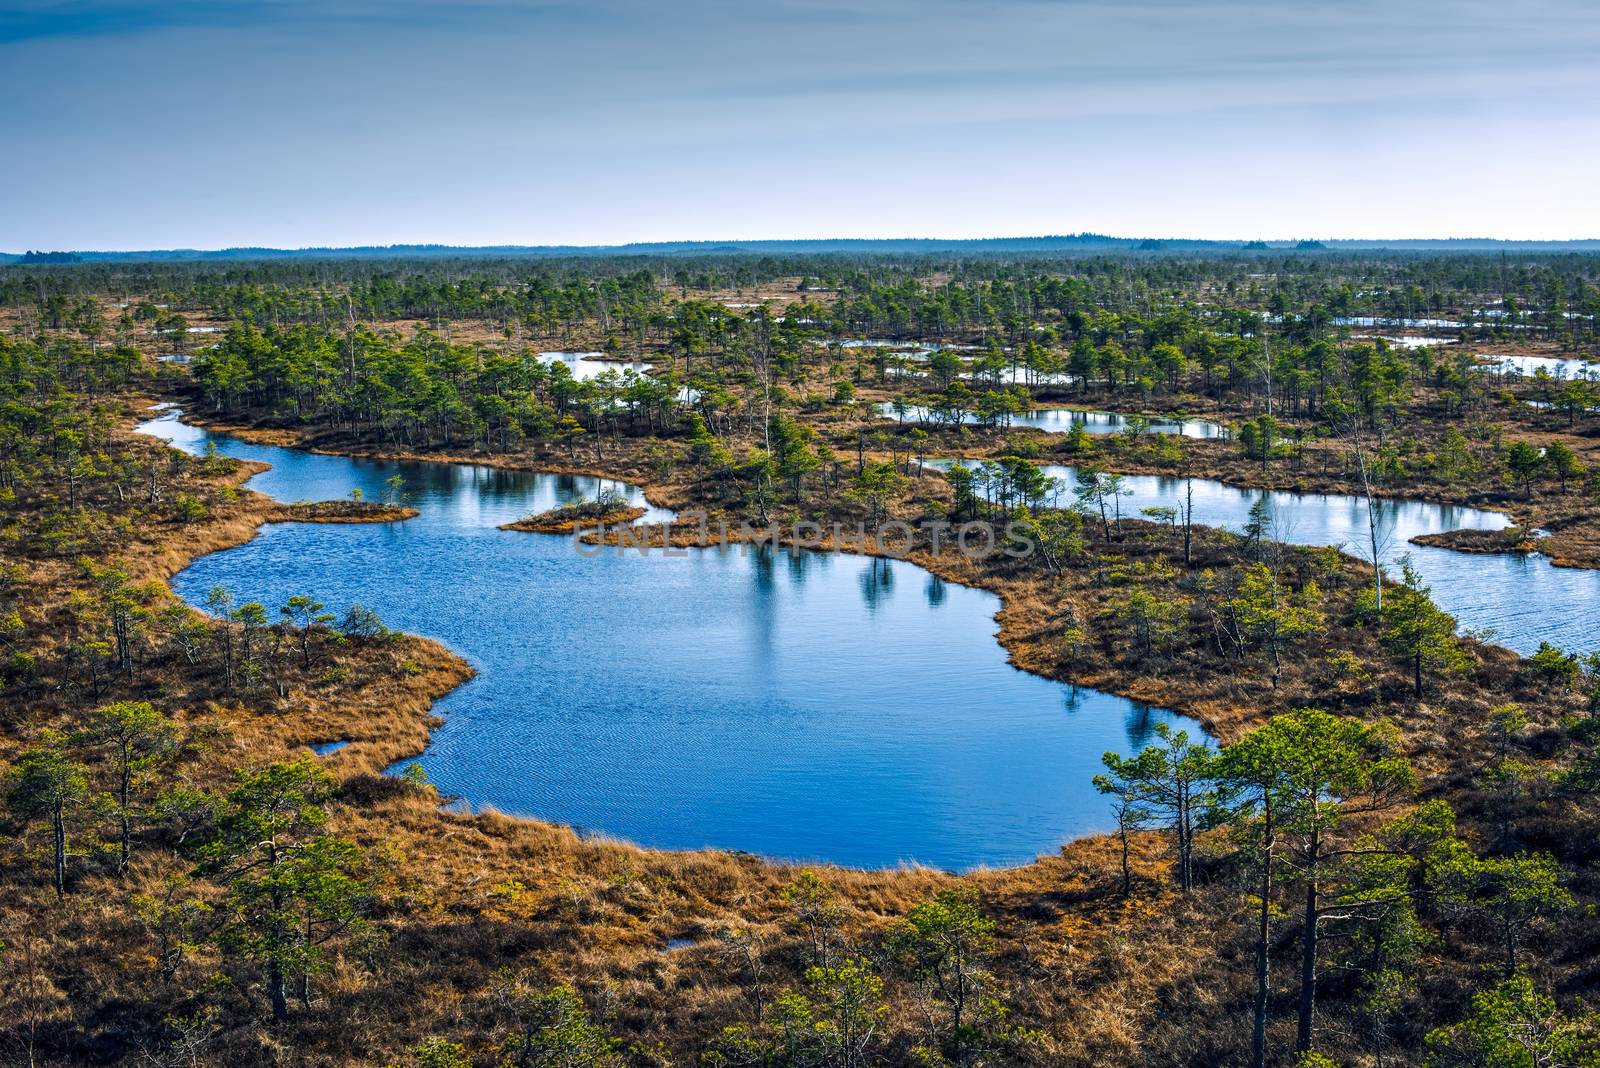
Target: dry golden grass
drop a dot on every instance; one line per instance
(1156, 978)
(480, 891)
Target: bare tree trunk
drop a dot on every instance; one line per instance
(1258, 1038)
(1188, 518)
(1372, 526)
(59, 835)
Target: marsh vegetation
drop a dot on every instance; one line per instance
(1377, 849)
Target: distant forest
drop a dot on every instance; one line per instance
(998, 246)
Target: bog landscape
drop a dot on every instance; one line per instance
(801, 658)
(799, 534)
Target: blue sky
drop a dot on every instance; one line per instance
(292, 123)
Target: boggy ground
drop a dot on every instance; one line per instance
(1321, 465)
(570, 518)
(1569, 514)
(1157, 978)
(473, 892)
(1035, 602)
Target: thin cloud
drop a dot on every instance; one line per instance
(296, 122)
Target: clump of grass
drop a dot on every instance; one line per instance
(609, 508)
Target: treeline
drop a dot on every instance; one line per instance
(1307, 366)
(1300, 370)
(731, 370)
(426, 391)
(1527, 295)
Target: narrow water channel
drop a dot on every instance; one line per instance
(1520, 599)
(1063, 420)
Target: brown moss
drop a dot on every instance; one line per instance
(342, 512)
(563, 521)
(1110, 980)
(1509, 540)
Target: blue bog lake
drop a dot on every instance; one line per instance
(810, 707)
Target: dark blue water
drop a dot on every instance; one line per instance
(811, 707)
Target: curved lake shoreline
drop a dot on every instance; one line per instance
(474, 789)
(1563, 610)
(879, 737)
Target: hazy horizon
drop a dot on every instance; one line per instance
(291, 124)
(1275, 242)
